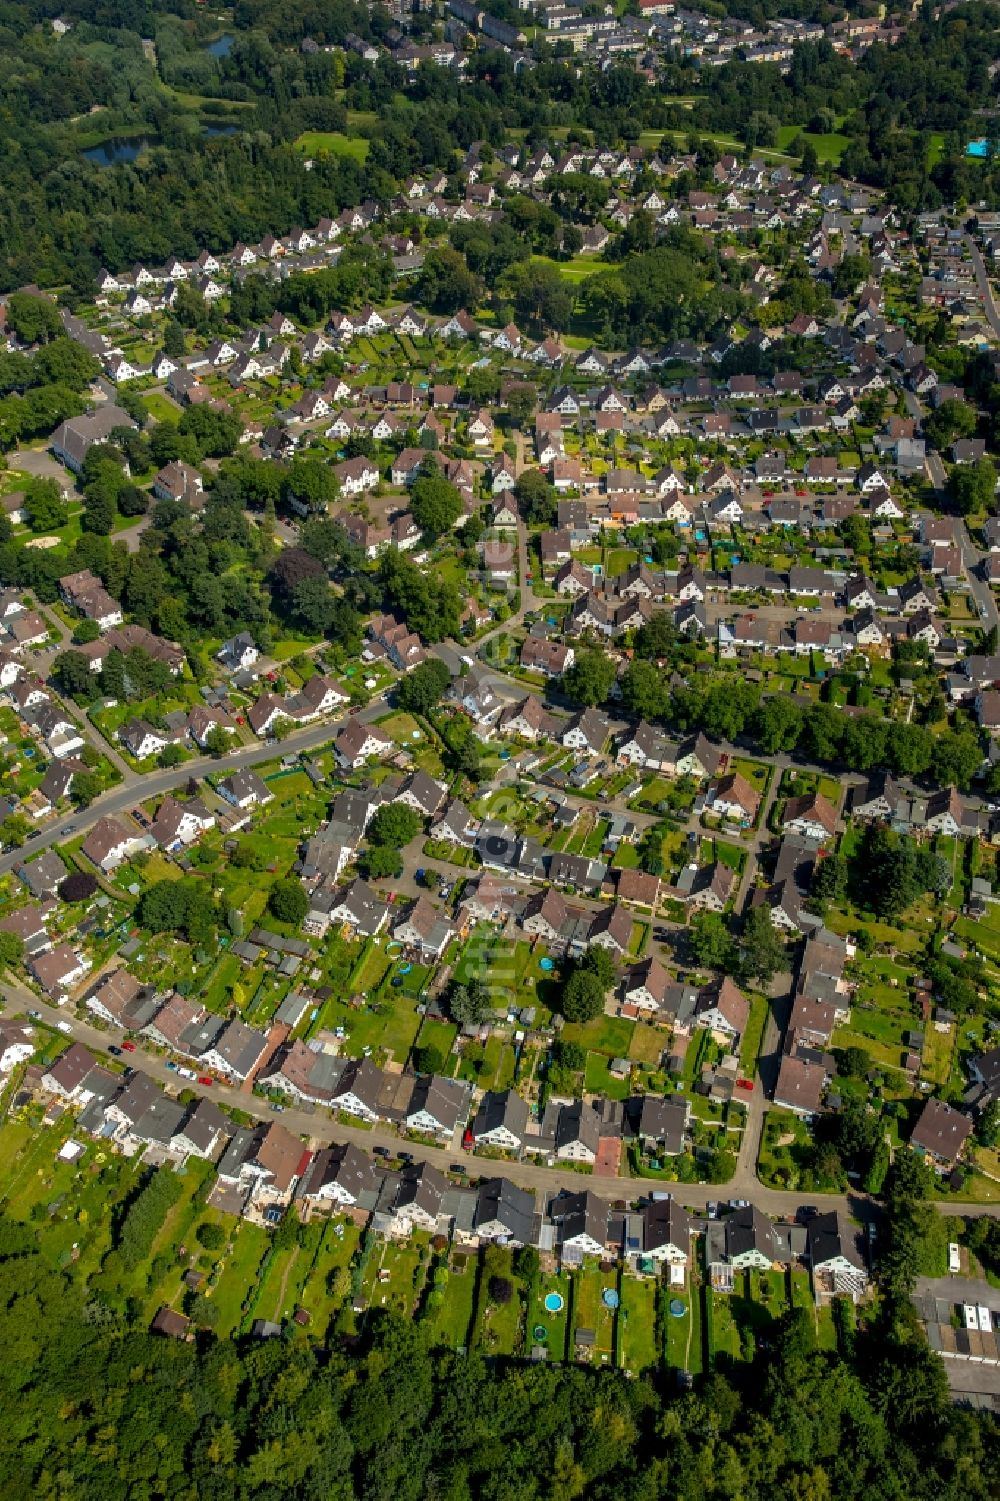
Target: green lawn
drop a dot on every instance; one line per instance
(337, 1244)
(589, 1311)
(400, 1288)
(161, 410)
(498, 1324)
(829, 147)
(637, 1324)
(753, 1036)
(448, 1323)
(576, 270)
(605, 1034)
(684, 1336)
(556, 1325)
(599, 1080)
(317, 142)
(725, 1331)
(238, 1277)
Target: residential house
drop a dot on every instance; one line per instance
(501, 1120)
(811, 815)
(940, 1134)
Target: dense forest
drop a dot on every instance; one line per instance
(907, 111)
(97, 1411)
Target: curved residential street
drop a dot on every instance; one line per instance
(321, 1129)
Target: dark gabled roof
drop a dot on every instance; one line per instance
(501, 1107)
(501, 1200)
(750, 1230)
(581, 1214)
(666, 1223)
(578, 1122)
(830, 1235)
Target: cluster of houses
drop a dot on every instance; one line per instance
(263, 1168)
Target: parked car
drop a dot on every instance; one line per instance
(205, 1079)
(35, 1016)
(187, 1073)
(172, 1067)
(129, 1047)
(64, 1027)
(115, 1052)
(278, 1109)
(744, 1084)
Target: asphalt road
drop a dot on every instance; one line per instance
(320, 1129)
(983, 283)
(137, 787)
(972, 558)
(981, 591)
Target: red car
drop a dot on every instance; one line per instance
(205, 1079)
(744, 1084)
(129, 1047)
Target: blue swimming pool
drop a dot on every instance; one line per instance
(978, 148)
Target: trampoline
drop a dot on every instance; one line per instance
(554, 1303)
(546, 964)
(609, 1297)
(677, 1308)
(539, 1333)
(395, 947)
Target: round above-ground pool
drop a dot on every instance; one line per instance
(546, 964)
(677, 1309)
(404, 969)
(539, 1333)
(609, 1298)
(554, 1303)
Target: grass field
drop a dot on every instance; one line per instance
(318, 142)
(498, 1324)
(637, 1324)
(239, 1273)
(684, 1336)
(577, 270)
(754, 1035)
(647, 1044)
(829, 148)
(449, 1322)
(589, 1311)
(556, 1325)
(605, 1034)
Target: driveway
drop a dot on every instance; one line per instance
(608, 1159)
(41, 464)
